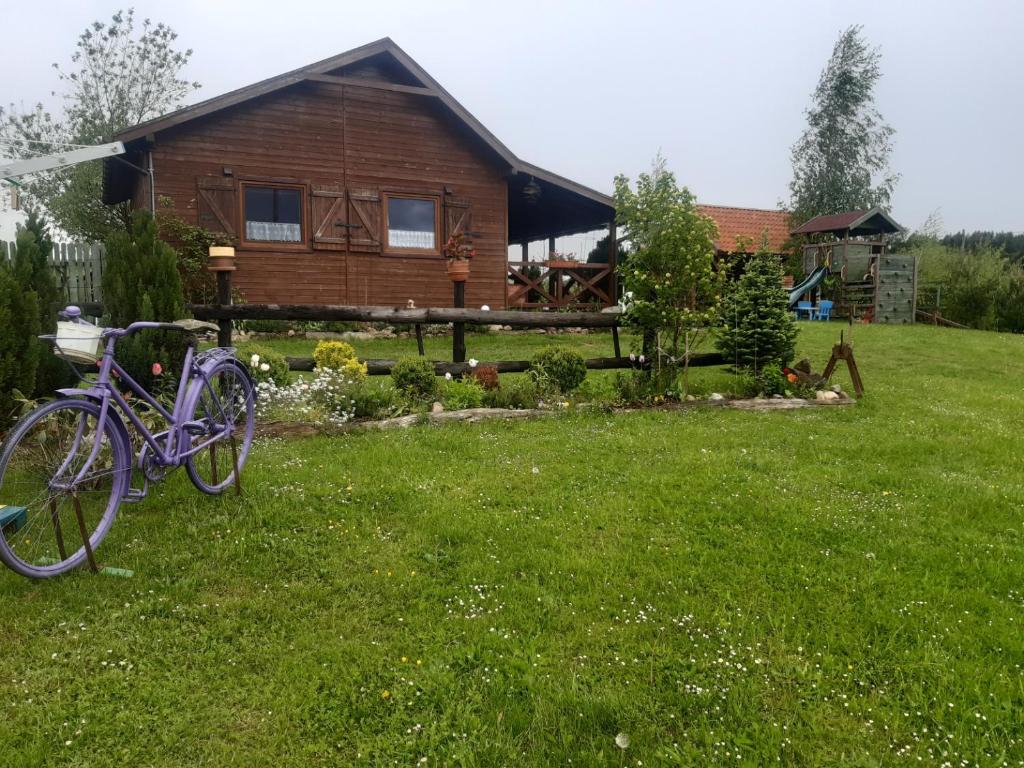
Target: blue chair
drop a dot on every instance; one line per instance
(804, 306)
(824, 311)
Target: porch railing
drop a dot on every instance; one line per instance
(559, 284)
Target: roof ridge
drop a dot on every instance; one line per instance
(742, 208)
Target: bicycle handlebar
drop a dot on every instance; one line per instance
(141, 325)
(74, 314)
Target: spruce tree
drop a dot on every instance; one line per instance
(755, 327)
(141, 282)
(19, 347)
(34, 273)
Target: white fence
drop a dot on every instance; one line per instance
(78, 267)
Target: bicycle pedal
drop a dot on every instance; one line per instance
(134, 495)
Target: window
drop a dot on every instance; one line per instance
(273, 214)
(412, 224)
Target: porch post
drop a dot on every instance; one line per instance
(613, 251)
(526, 251)
(553, 275)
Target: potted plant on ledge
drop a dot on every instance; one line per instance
(458, 251)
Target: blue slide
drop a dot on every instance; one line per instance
(809, 284)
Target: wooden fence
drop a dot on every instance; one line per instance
(224, 314)
(78, 267)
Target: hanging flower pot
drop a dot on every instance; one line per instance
(458, 270)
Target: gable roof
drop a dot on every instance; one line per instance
(874, 221)
(748, 223)
(386, 45)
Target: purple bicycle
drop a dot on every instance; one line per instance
(66, 466)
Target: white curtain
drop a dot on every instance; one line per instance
(405, 238)
(272, 231)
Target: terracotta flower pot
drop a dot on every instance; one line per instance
(458, 270)
(222, 258)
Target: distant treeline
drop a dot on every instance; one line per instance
(1010, 243)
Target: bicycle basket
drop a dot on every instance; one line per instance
(77, 342)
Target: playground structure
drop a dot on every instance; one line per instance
(869, 284)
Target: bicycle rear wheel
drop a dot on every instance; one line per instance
(223, 416)
(61, 482)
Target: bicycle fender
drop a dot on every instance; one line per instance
(93, 393)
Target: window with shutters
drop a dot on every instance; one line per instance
(272, 214)
(412, 224)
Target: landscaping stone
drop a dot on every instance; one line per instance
(825, 395)
(716, 397)
(436, 407)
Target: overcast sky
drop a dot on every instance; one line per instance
(591, 89)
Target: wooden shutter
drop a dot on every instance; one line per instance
(217, 203)
(364, 220)
(329, 218)
(457, 218)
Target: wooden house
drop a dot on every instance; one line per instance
(340, 182)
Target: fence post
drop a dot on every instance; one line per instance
(459, 328)
(222, 262)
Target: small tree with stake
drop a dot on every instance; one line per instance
(671, 285)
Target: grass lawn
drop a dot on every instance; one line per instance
(822, 587)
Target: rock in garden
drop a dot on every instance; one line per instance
(825, 395)
(836, 388)
(716, 397)
(436, 407)
(495, 328)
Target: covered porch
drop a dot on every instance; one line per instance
(543, 206)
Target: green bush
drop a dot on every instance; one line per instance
(647, 386)
(458, 394)
(772, 381)
(141, 282)
(563, 367)
(518, 393)
(333, 354)
(414, 377)
(266, 364)
(376, 402)
(755, 327)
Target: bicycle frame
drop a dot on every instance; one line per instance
(172, 454)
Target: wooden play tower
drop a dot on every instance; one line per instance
(869, 283)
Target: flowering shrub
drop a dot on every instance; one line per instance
(486, 376)
(565, 368)
(325, 399)
(338, 355)
(414, 377)
(267, 365)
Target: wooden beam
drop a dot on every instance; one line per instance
(339, 80)
(379, 367)
(401, 315)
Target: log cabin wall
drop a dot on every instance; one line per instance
(346, 147)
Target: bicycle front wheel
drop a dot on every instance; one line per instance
(223, 417)
(61, 482)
